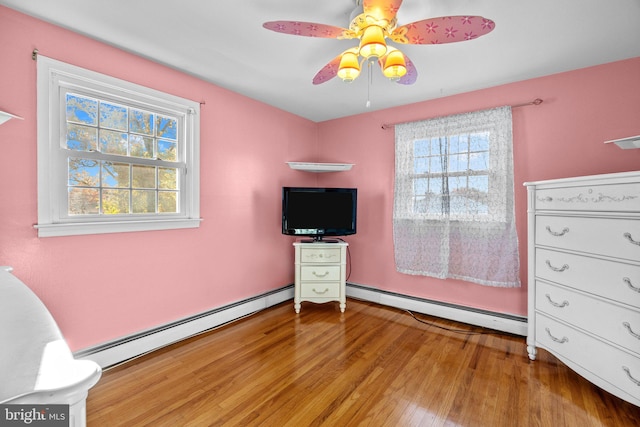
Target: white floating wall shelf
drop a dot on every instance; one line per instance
(6, 116)
(626, 143)
(320, 167)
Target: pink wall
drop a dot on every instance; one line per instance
(104, 287)
(562, 137)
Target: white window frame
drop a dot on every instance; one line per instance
(54, 78)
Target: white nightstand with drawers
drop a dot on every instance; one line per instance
(320, 273)
(584, 277)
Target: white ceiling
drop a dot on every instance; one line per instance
(224, 43)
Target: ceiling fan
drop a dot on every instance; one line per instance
(373, 21)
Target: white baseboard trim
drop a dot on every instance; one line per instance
(512, 324)
(123, 349)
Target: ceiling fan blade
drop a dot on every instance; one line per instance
(412, 73)
(328, 72)
(381, 9)
(309, 29)
(445, 29)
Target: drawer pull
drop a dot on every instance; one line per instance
(320, 293)
(629, 238)
(630, 285)
(558, 340)
(320, 275)
(557, 234)
(555, 304)
(628, 371)
(628, 327)
(558, 269)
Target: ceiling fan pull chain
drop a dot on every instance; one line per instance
(369, 81)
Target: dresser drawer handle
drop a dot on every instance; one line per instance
(555, 304)
(320, 293)
(557, 234)
(558, 269)
(630, 285)
(628, 327)
(628, 371)
(558, 340)
(629, 238)
(320, 275)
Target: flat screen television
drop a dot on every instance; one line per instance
(318, 212)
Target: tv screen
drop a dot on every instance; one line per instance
(317, 212)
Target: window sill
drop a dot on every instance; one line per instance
(76, 229)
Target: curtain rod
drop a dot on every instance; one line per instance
(536, 101)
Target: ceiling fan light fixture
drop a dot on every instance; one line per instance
(349, 68)
(372, 43)
(394, 66)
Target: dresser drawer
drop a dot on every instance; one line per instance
(320, 290)
(320, 255)
(605, 236)
(613, 323)
(613, 280)
(603, 198)
(320, 273)
(615, 367)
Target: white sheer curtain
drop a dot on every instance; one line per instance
(453, 204)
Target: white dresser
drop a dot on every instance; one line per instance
(320, 273)
(584, 277)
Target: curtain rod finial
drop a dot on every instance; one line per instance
(34, 54)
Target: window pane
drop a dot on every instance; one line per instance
(113, 116)
(479, 141)
(83, 172)
(421, 165)
(167, 127)
(143, 176)
(141, 122)
(479, 161)
(435, 164)
(81, 109)
(458, 163)
(421, 148)
(115, 201)
(113, 142)
(83, 201)
(144, 201)
(81, 138)
(167, 179)
(167, 150)
(115, 175)
(140, 146)
(167, 201)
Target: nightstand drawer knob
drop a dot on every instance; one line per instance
(320, 275)
(320, 293)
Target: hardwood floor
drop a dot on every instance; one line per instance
(371, 366)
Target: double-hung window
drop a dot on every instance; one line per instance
(453, 202)
(113, 156)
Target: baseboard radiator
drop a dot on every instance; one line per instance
(121, 350)
(508, 323)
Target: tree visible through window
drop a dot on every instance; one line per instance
(453, 203)
(113, 156)
(116, 184)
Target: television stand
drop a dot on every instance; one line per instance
(320, 273)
